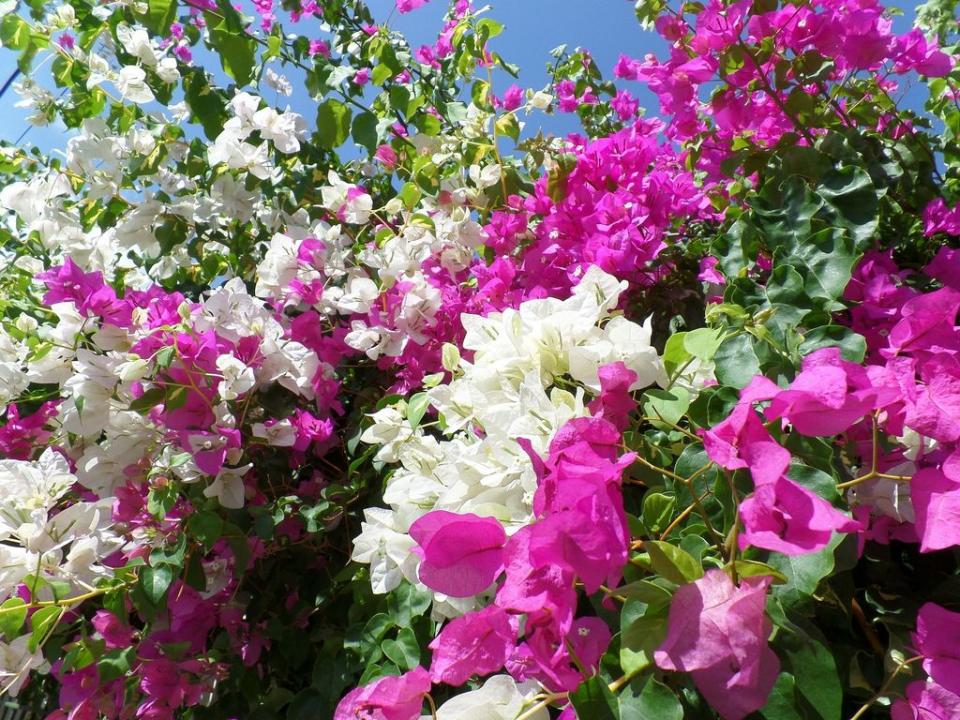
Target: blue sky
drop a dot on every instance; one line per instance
(533, 28)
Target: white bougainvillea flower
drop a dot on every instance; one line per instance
(131, 82)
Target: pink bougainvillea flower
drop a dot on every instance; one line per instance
(115, 633)
(787, 518)
(935, 410)
(477, 643)
(406, 6)
(926, 701)
(914, 52)
(927, 321)
(741, 441)
(709, 272)
(88, 291)
(938, 218)
(512, 98)
(936, 505)
(589, 541)
(584, 450)
(718, 633)
(461, 554)
(389, 698)
(945, 267)
(829, 395)
(615, 403)
(938, 639)
(548, 653)
(210, 448)
(529, 588)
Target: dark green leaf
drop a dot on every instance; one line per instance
(155, 581)
(736, 362)
(594, 700)
(804, 572)
(782, 703)
(649, 699)
(404, 651)
(115, 664)
(206, 103)
(206, 526)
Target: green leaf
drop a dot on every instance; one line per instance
(229, 37)
(509, 126)
(164, 356)
(193, 573)
(364, 130)
(645, 591)
(782, 703)
(736, 362)
(149, 400)
(649, 699)
(825, 260)
(667, 405)
(852, 202)
(672, 563)
(373, 632)
(643, 627)
(381, 73)
(333, 123)
(657, 511)
(155, 581)
(171, 554)
(853, 347)
(115, 664)
(804, 572)
(410, 195)
(206, 526)
(407, 602)
(13, 613)
(42, 624)
(488, 28)
(703, 343)
(594, 700)
(755, 568)
(14, 32)
(783, 211)
(161, 499)
(818, 481)
(404, 651)
(675, 353)
(159, 16)
(206, 104)
(814, 669)
(416, 408)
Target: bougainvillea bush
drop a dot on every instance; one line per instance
(405, 408)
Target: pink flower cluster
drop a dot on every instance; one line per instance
(579, 536)
(936, 641)
(853, 36)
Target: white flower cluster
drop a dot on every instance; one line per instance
(231, 147)
(38, 538)
(527, 378)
